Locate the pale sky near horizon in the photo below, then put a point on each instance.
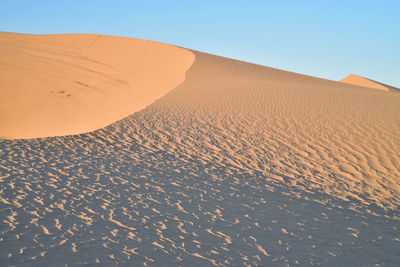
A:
(327, 39)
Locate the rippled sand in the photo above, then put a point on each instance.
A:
(238, 165)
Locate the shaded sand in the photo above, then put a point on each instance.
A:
(239, 165)
(361, 81)
(52, 85)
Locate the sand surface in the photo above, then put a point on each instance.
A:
(361, 81)
(238, 165)
(53, 85)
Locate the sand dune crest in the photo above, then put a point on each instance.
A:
(53, 85)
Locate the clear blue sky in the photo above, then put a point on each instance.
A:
(324, 38)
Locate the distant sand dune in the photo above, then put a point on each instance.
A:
(54, 85)
(361, 81)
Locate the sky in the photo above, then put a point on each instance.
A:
(325, 38)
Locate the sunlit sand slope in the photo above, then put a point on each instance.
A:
(361, 81)
(52, 85)
(238, 165)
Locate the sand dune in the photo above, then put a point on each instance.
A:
(54, 85)
(361, 81)
(239, 164)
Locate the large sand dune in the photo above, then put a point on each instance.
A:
(239, 164)
(54, 85)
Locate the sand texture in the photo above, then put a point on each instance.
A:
(54, 85)
(239, 164)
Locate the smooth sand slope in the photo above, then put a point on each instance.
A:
(361, 81)
(52, 85)
(238, 165)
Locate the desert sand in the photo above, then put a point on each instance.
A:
(365, 82)
(238, 164)
(54, 85)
